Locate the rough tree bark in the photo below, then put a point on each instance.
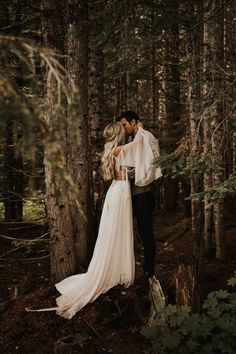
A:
(213, 125)
(188, 278)
(95, 112)
(118, 103)
(13, 154)
(217, 124)
(187, 287)
(171, 129)
(76, 50)
(16, 17)
(63, 258)
(154, 78)
(194, 57)
(9, 204)
(229, 84)
(19, 175)
(206, 89)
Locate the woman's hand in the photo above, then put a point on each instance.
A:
(140, 124)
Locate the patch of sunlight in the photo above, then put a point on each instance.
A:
(2, 209)
(33, 211)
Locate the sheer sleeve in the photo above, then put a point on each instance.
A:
(141, 154)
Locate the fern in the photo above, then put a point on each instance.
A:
(178, 330)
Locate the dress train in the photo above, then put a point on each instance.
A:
(112, 262)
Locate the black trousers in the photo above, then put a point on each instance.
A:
(143, 207)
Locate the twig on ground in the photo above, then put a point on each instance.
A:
(25, 240)
(25, 259)
(21, 246)
(92, 328)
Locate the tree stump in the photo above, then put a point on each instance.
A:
(188, 291)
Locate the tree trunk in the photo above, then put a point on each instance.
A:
(187, 287)
(154, 78)
(125, 91)
(13, 158)
(125, 76)
(9, 203)
(213, 44)
(118, 104)
(63, 258)
(171, 131)
(218, 139)
(95, 114)
(207, 84)
(19, 176)
(229, 87)
(194, 96)
(76, 50)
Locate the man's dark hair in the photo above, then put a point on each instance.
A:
(129, 115)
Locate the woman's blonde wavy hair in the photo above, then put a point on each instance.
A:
(114, 134)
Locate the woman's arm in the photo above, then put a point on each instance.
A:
(117, 151)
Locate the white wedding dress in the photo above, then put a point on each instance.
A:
(113, 260)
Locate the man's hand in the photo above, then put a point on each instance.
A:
(121, 175)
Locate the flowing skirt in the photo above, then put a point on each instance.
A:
(112, 262)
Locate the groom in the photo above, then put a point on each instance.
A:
(143, 198)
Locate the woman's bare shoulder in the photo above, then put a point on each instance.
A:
(117, 150)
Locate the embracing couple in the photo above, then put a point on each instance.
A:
(130, 168)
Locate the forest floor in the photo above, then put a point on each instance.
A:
(113, 322)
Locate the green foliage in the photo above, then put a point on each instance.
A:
(232, 281)
(1, 211)
(171, 165)
(24, 104)
(32, 211)
(180, 164)
(30, 113)
(227, 187)
(178, 330)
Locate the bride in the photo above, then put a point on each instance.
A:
(112, 262)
